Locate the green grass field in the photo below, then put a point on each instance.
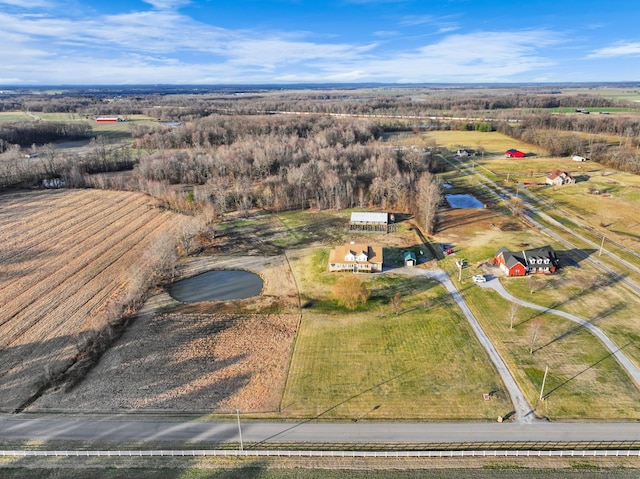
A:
(260, 469)
(11, 116)
(493, 143)
(583, 376)
(423, 363)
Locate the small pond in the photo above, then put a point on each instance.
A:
(217, 286)
(464, 201)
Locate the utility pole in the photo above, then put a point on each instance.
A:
(239, 429)
(544, 379)
(601, 245)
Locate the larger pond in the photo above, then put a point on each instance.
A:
(217, 286)
(463, 201)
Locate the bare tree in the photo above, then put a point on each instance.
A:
(534, 330)
(513, 313)
(396, 302)
(428, 196)
(533, 284)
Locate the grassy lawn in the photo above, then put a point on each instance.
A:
(493, 143)
(10, 116)
(371, 363)
(583, 377)
(270, 469)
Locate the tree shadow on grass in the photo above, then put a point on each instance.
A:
(552, 391)
(317, 416)
(615, 308)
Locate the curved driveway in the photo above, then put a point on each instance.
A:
(616, 351)
(523, 411)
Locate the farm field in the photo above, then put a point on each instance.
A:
(493, 143)
(210, 357)
(9, 116)
(65, 255)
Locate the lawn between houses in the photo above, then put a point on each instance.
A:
(422, 363)
(583, 378)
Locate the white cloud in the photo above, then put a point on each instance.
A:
(162, 45)
(619, 49)
(167, 4)
(482, 56)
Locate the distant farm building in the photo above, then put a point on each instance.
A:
(513, 153)
(534, 261)
(464, 153)
(558, 177)
(358, 258)
(109, 119)
(365, 222)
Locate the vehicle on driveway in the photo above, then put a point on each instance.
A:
(479, 278)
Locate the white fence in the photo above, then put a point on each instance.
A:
(390, 454)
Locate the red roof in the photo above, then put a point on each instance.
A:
(513, 153)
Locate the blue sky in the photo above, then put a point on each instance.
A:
(50, 42)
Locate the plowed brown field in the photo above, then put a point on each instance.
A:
(63, 256)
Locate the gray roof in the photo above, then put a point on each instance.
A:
(366, 217)
(512, 258)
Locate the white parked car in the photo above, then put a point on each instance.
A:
(479, 278)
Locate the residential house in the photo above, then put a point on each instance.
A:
(359, 258)
(558, 177)
(533, 261)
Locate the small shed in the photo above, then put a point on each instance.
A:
(410, 258)
(368, 222)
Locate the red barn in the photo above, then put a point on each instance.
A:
(513, 153)
(109, 119)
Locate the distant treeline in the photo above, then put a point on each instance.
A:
(26, 133)
(282, 163)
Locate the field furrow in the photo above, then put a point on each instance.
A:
(76, 308)
(34, 272)
(70, 235)
(19, 313)
(68, 255)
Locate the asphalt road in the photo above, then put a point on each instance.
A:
(12, 427)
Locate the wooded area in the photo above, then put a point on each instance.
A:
(233, 149)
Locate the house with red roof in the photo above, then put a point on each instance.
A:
(533, 261)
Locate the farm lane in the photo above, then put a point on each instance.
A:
(523, 411)
(615, 350)
(115, 428)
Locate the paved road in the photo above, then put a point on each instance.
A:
(523, 411)
(125, 429)
(615, 350)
